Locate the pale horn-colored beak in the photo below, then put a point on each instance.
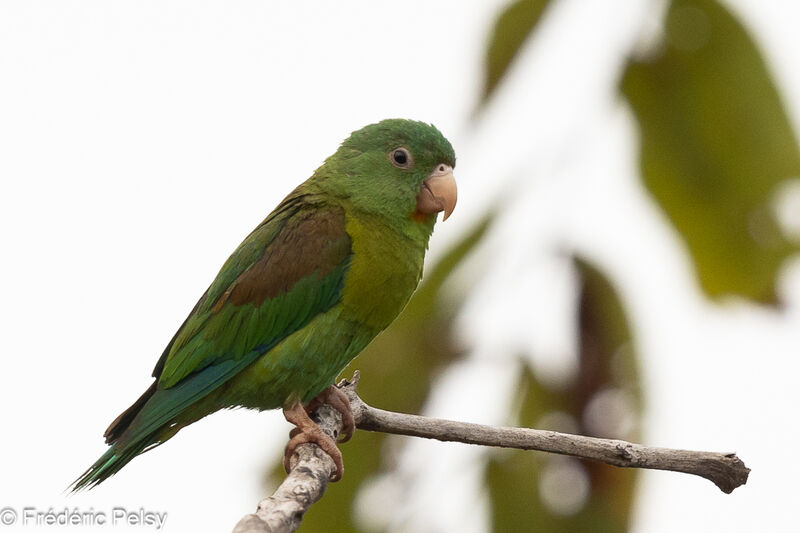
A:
(438, 192)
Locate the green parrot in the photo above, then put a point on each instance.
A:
(301, 296)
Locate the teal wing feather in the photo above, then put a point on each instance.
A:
(288, 270)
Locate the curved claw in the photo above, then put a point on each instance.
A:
(308, 432)
(336, 399)
(320, 439)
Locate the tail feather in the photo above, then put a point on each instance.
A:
(121, 423)
(153, 419)
(107, 465)
(119, 454)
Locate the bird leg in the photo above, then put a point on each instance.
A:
(309, 432)
(338, 400)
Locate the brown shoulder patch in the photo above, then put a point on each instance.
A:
(309, 243)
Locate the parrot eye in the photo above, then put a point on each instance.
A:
(401, 158)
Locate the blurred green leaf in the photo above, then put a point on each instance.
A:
(604, 400)
(715, 142)
(397, 369)
(509, 32)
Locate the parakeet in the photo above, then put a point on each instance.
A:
(302, 295)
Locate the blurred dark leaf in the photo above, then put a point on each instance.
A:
(715, 142)
(608, 394)
(397, 369)
(509, 32)
(604, 400)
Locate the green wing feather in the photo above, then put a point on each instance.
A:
(288, 270)
(245, 257)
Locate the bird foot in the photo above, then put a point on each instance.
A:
(308, 432)
(334, 397)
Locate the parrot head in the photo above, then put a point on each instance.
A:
(399, 169)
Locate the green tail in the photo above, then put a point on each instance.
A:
(155, 417)
(109, 464)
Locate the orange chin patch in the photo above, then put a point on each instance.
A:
(419, 216)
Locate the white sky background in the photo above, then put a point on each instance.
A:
(141, 141)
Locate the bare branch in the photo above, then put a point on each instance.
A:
(291, 500)
(725, 470)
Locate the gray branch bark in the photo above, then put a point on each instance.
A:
(310, 470)
(283, 511)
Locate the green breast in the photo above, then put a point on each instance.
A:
(385, 268)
